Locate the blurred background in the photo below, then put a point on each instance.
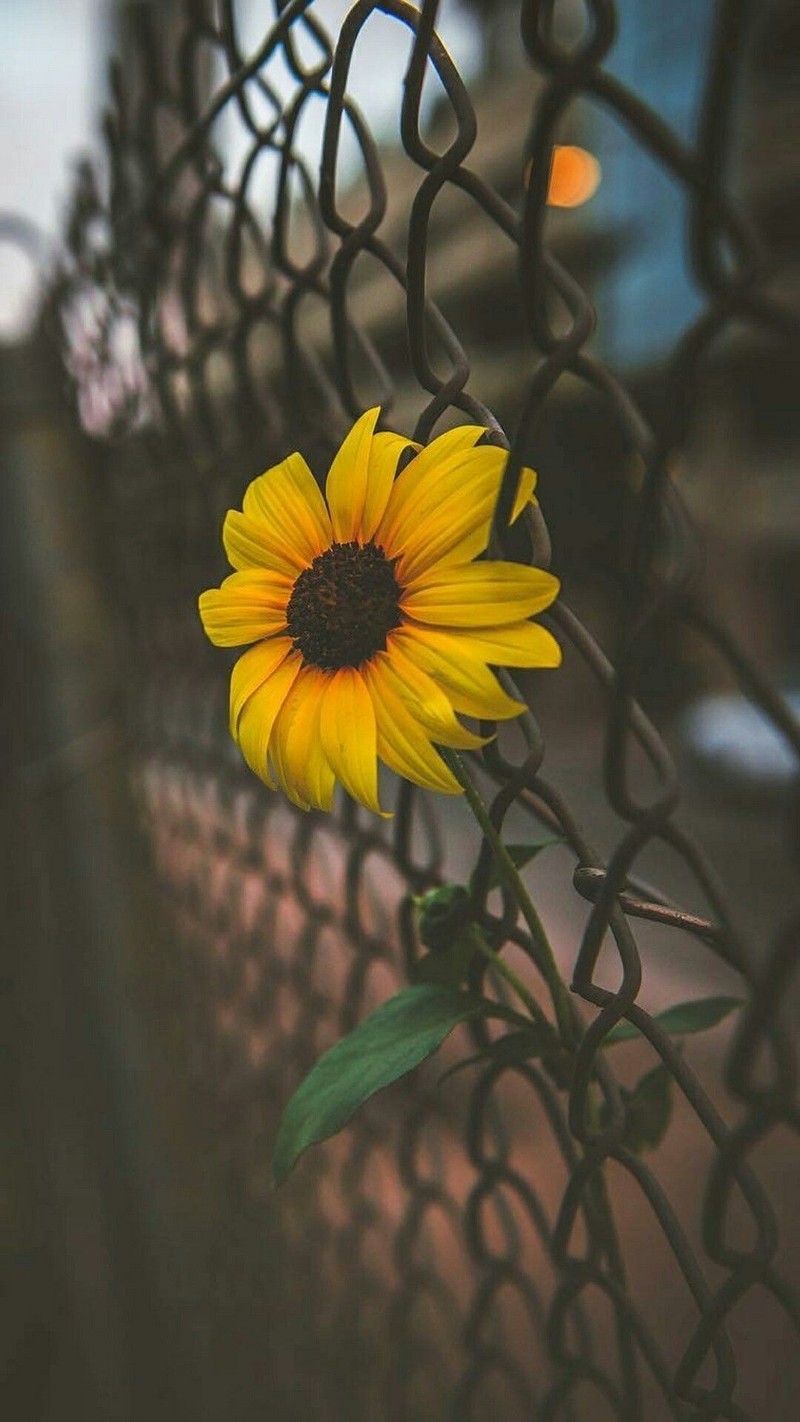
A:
(180, 950)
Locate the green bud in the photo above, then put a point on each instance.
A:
(444, 914)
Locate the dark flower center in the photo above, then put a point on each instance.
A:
(343, 606)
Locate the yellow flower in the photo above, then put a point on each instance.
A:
(372, 623)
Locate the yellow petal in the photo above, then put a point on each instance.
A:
(254, 543)
(453, 524)
(348, 734)
(518, 644)
(383, 460)
(423, 698)
(295, 748)
(451, 518)
(402, 742)
(471, 688)
(260, 711)
(248, 606)
(452, 442)
(417, 492)
(361, 477)
(479, 594)
(288, 500)
(525, 494)
(348, 478)
(251, 670)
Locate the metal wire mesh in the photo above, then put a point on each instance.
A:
(439, 1259)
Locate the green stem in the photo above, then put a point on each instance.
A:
(502, 968)
(566, 1016)
(569, 1025)
(507, 1014)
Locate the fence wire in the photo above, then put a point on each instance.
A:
(439, 1259)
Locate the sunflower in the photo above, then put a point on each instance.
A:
(371, 622)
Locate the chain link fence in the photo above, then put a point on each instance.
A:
(215, 309)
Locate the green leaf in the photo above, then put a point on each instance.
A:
(521, 854)
(392, 1041)
(648, 1110)
(681, 1020)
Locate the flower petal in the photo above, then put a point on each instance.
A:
(361, 477)
(518, 644)
(402, 743)
(251, 671)
(348, 479)
(458, 528)
(423, 698)
(348, 734)
(417, 491)
(383, 460)
(446, 655)
(288, 500)
(479, 594)
(452, 517)
(253, 543)
(295, 749)
(248, 606)
(525, 491)
(260, 711)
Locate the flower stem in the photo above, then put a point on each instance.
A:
(569, 1026)
(514, 981)
(566, 1016)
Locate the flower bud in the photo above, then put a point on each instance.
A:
(444, 914)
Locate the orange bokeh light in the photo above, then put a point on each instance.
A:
(574, 176)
